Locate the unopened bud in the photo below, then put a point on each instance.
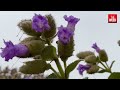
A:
(93, 69)
(26, 26)
(35, 47)
(91, 59)
(103, 55)
(84, 54)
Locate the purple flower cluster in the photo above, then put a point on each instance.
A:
(40, 23)
(96, 47)
(65, 33)
(72, 21)
(12, 50)
(81, 68)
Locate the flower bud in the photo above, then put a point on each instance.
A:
(93, 69)
(35, 46)
(103, 55)
(26, 27)
(84, 54)
(91, 59)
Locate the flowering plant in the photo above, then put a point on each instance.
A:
(41, 31)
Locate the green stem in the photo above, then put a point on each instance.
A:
(60, 68)
(48, 41)
(103, 65)
(42, 40)
(107, 64)
(65, 66)
(53, 36)
(101, 68)
(55, 72)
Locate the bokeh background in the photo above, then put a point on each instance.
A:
(93, 27)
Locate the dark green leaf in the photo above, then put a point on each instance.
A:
(114, 75)
(49, 53)
(51, 76)
(71, 67)
(34, 67)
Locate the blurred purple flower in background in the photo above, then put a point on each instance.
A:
(96, 47)
(12, 50)
(72, 21)
(65, 34)
(40, 23)
(81, 68)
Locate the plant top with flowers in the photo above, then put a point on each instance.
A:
(41, 31)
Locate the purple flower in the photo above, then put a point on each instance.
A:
(40, 23)
(72, 21)
(12, 50)
(21, 50)
(96, 47)
(81, 68)
(65, 34)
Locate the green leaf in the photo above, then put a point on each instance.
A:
(26, 27)
(49, 53)
(65, 51)
(51, 76)
(114, 75)
(101, 71)
(52, 31)
(71, 67)
(34, 67)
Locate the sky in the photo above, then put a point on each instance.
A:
(92, 27)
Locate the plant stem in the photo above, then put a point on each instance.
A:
(42, 40)
(101, 68)
(107, 64)
(55, 72)
(103, 65)
(65, 66)
(60, 68)
(48, 41)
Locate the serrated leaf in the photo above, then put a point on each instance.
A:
(71, 67)
(52, 31)
(101, 71)
(114, 75)
(26, 27)
(51, 76)
(34, 67)
(49, 53)
(65, 51)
